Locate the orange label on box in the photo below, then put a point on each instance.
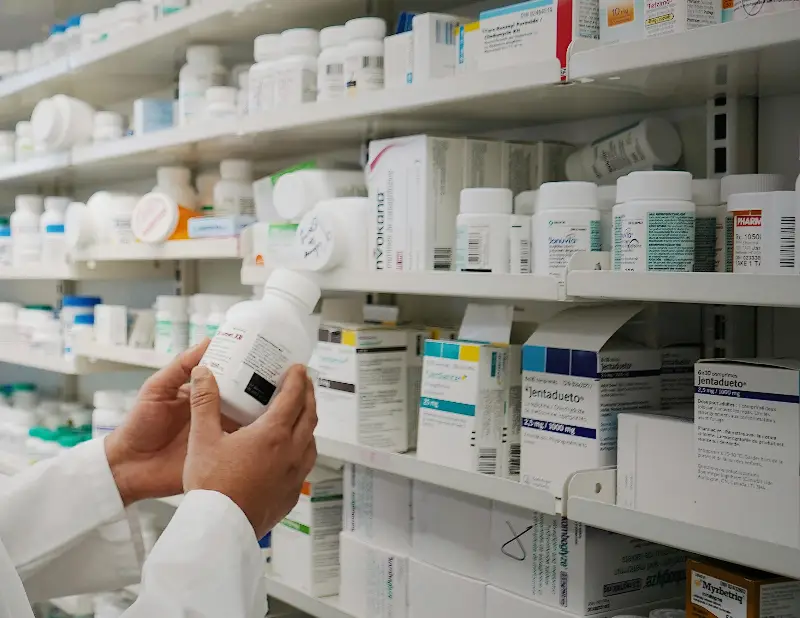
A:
(620, 13)
(727, 4)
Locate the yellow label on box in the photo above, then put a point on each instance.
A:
(620, 13)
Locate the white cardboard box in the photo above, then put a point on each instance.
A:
(435, 54)
(582, 570)
(462, 405)
(362, 385)
(512, 426)
(677, 375)
(451, 530)
(374, 580)
(377, 507)
(436, 593)
(655, 465)
(575, 381)
(747, 448)
(305, 545)
(415, 186)
(526, 166)
(398, 60)
(469, 44)
(483, 163)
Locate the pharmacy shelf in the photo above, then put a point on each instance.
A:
(173, 501)
(198, 249)
(11, 464)
(81, 605)
(84, 272)
(92, 352)
(467, 285)
(323, 607)
(709, 288)
(23, 355)
(698, 539)
(38, 169)
(408, 466)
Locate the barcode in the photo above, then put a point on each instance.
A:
(475, 249)
(487, 461)
(445, 33)
(513, 460)
(442, 258)
(524, 257)
(334, 69)
(372, 62)
(787, 242)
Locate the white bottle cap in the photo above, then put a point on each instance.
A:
(366, 28)
(173, 304)
(129, 10)
(525, 202)
(750, 183)
(766, 200)
(108, 119)
(169, 176)
(656, 186)
(203, 54)
(24, 129)
(48, 123)
(574, 194)
(294, 194)
(706, 192)
(606, 197)
(29, 203)
(267, 47)
(295, 284)
(236, 169)
(300, 42)
(108, 400)
(664, 140)
(154, 218)
(79, 229)
(486, 201)
(225, 95)
(56, 203)
(332, 36)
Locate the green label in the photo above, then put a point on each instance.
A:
(327, 498)
(705, 242)
(294, 525)
(594, 236)
(670, 241)
(305, 165)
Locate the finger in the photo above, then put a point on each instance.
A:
(206, 426)
(304, 428)
(309, 458)
(288, 404)
(177, 373)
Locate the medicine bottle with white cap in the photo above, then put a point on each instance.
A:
(364, 56)
(482, 230)
(259, 341)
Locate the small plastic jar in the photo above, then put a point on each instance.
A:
(52, 227)
(8, 321)
(8, 140)
(297, 69)
(764, 232)
(606, 200)
(482, 230)
(109, 412)
(24, 396)
(200, 308)
(25, 236)
(81, 330)
(264, 73)
(233, 194)
(654, 222)
(176, 182)
(111, 324)
(206, 181)
(72, 307)
(24, 146)
(334, 235)
(61, 122)
(708, 208)
(119, 215)
(330, 64)
(221, 102)
(90, 29)
(364, 56)
(108, 126)
(243, 93)
(172, 324)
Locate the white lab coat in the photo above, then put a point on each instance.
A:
(64, 531)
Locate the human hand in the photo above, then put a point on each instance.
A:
(262, 466)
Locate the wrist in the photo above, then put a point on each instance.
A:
(121, 469)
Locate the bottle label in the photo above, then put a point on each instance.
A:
(705, 232)
(473, 248)
(364, 73)
(655, 241)
(171, 337)
(330, 82)
(565, 239)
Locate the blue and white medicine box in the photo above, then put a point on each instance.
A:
(462, 405)
(575, 380)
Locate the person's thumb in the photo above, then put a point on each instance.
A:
(206, 427)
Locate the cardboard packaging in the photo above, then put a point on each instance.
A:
(747, 448)
(435, 593)
(374, 580)
(634, 21)
(305, 544)
(526, 166)
(575, 380)
(677, 375)
(483, 163)
(719, 589)
(377, 507)
(435, 45)
(655, 465)
(361, 388)
(510, 450)
(470, 47)
(450, 529)
(462, 405)
(582, 570)
(415, 186)
(398, 60)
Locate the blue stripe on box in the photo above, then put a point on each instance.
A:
(442, 405)
(433, 348)
(450, 350)
(515, 8)
(553, 427)
(558, 361)
(533, 358)
(727, 392)
(584, 364)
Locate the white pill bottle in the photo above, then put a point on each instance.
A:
(764, 232)
(364, 56)
(259, 341)
(483, 230)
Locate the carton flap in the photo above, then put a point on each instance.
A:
(487, 323)
(583, 328)
(777, 363)
(349, 310)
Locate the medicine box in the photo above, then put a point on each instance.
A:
(582, 570)
(483, 163)
(526, 166)
(151, 115)
(435, 45)
(575, 380)
(716, 588)
(512, 425)
(219, 227)
(305, 544)
(655, 465)
(536, 30)
(450, 529)
(377, 507)
(374, 580)
(436, 593)
(469, 45)
(677, 375)
(747, 448)
(462, 405)
(415, 186)
(362, 386)
(398, 60)
(633, 20)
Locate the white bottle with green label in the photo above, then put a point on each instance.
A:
(706, 198)
(654, 222)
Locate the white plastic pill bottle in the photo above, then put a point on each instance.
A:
(732, 184)
(297, 68)
(8, 141)
(25, 235)
(334, 235)
(653, 141)
(483, 227)
(219, 305)
(221, 102)
(61, 122)
(654, 222)
(264, 73)
(764, 232)
(364, 56)
(109, 412)
(707, 201)
(203, 69)
(108, 126)
(520, 245)
(233, 194)
(24, 147)
(200, 308)
(205, 182)
(172, 324)
(330, 65)
(51, 228)
(298, 192)
(606, 200)
(119, 214)
(567, 220)
(259, 342)
(176, 182)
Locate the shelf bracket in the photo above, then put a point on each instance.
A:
(599, 485)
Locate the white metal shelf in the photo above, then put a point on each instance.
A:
(322, 607)
(706, 541)
(24, 356)
(80, 605)
(91, 353)
(82, 272)
(194, 249)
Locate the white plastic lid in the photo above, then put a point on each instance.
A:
(574, 194)
(124, 202)
(706, 191)
(154, 218)
(108, 400)
(48, 122)
(224, 95)
(606, 197)
(294, 284)
(366, 28)
(108, 119)
(750, 183)
(321, 247)
(332, 36)
(525, 202)
(486, 201)
(173, 304)
(29, 203)
(168, 176)
(300, 42)
(79, 228)
(56, 203)
(236, 169)
(203, 54)
(24, 129)
(294, 194)
(267, 47)
(665, 185)
(129, 9)
(766, 200)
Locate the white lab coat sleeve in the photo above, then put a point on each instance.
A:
(65, 529)
(207, 564)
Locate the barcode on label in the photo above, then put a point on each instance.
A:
(372, 62)
(487, 461)
(475, 249)
(525, 257)
(513, 459)
(787, 243)
(442, 258)
(445, 33)
(334, 69)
